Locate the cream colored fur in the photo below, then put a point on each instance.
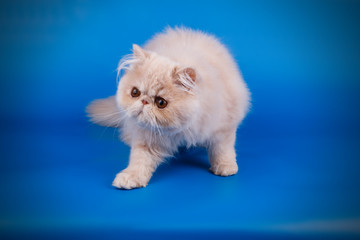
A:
(207, 99)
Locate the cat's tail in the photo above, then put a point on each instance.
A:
(105, 112)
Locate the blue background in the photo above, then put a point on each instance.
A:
(298, 149)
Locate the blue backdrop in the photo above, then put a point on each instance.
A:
(298, 149)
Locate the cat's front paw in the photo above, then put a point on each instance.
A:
(129, 180)
(224, 169)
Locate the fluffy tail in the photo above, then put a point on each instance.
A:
(105, 112)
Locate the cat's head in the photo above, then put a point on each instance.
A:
(156, 91)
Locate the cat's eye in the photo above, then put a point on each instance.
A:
(160, 102)
(135, 92)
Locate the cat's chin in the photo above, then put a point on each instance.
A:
(158, 129)
(142, 123)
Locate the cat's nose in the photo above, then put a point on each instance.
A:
(144, 102)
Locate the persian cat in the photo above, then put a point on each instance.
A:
(183, 88)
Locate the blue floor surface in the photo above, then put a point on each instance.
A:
(58, 184)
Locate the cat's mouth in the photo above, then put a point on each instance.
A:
(145, 120)
(141, 118)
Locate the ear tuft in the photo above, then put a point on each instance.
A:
(191, 73)
(186, 77)
(139, 52)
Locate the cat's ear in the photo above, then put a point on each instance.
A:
(129, 60)
(185, 77)
(139, 52)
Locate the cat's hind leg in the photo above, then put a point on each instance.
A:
(222, 154)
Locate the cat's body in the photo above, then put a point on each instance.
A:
(193, 75)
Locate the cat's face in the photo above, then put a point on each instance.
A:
(157, 93)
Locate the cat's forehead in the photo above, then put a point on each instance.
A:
(153, 76)
(154, 85)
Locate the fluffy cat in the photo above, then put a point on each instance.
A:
(182, 88)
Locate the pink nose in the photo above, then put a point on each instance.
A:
(144, 102)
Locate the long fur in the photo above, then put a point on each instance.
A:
(125, 63)
(206, 97)
(105, 112)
